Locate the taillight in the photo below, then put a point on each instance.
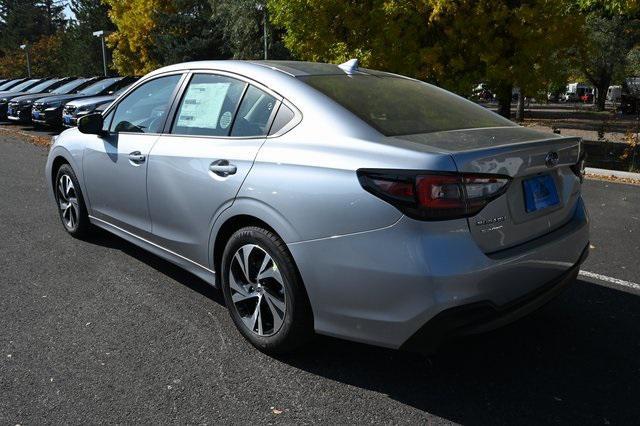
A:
(579, 168)
(432, 195)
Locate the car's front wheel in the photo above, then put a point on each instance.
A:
(71, 206)
(263, 291)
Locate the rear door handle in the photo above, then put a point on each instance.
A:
(223, 168)
(137, 157)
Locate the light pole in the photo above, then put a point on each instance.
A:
(25, 47)
(263, 8)
(102, 34)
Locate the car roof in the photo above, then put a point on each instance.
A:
(282, 78)
(291, 68)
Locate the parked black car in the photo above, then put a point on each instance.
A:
(74, 110)
(48, 111)
(20, 89)
(20, 106)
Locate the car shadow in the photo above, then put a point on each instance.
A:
(576, 360)
(108, 240)
(41, 130)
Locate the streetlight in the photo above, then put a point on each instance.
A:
(25, 47)
(102, 34)
(263, 8)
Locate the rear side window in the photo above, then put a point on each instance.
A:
(145, 108)
(398, 106)
(208, 106)
(254, 114)
(283, 117)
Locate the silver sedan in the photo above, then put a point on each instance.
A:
(331, 199)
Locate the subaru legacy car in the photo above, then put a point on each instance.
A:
(22, 106)
(73, 110)
(19, 107)
(20, 89)
(331, 199)
(48, 111)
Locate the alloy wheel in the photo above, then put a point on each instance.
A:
(257, 290)
(68, 202)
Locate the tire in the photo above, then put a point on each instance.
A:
(70, 202)
(270, 308)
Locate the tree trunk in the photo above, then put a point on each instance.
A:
(504, 100)
(520, 110)
(602, 96)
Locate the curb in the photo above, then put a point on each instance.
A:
(612, 173)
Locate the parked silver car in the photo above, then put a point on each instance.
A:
(345, 201)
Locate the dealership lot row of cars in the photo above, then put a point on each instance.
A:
(57, 102)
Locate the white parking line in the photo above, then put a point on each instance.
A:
(611, 280)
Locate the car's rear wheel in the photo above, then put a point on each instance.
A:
(263, 291)
(71, 206)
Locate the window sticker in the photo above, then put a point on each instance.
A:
(225, 120)
(202, 105)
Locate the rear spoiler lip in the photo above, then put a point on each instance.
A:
(519, 159)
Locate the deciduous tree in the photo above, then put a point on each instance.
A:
(611, 31)
(507, 43)
(134, 37)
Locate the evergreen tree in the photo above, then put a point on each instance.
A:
(80, 43)
(242, 25)
(188, 32)
(52, 12)
(26, 21)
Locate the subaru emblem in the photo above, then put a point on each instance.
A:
(552, 159)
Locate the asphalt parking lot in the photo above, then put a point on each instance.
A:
(101, 332)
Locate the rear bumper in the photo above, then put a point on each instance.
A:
(381, 287)
(485, 316)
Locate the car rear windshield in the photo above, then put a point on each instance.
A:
(399, 106)
(99, 87)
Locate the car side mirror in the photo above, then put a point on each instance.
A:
(91, 124)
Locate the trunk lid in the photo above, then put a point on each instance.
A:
(521, 154)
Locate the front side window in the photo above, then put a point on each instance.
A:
(254, 114)
(208, 106)
(144, 109)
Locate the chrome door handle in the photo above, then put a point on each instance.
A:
(223, 168)
(137, 157)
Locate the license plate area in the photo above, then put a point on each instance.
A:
(540, 192)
